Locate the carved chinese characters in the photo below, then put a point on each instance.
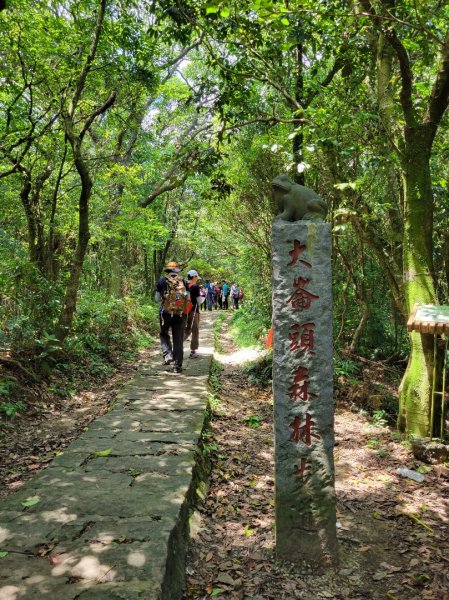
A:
(301, 301)
(303, 395)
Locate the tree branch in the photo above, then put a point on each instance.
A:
(337, 66)
(406, 75)
(89, 60)
(100, 110)
(439, 96)
(183, 53)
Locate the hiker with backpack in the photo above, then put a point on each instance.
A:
(171, 292)
(225, 295)
(193, 314)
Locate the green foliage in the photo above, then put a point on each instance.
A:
(260, 371)
(218, 324)
(345, 367)
(249, 325)
(107, 328)
(10, 409)
(380, 418)
(29, 303)
(253, 421)
(214, 376)
(373, 444)
(215, 405)
(5, 386)
(29, 502)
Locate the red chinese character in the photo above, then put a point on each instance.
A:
(302, 469)
(301, 298)
(304, 339)
(303, 433)
(299, 390)
(297, 250)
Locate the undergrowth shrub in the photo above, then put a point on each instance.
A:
(29, 303)
(249, 325)
(259, 372)
(106, 328)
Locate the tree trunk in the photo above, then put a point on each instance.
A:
(115, 269)
(25, 193)
(298, 139)
(359, 329)
(69, 305)
(416, 385)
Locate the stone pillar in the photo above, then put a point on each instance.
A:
(303, 393)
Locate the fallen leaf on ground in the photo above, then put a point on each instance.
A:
(225, 578)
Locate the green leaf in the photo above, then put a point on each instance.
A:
(225, 12)
(253, 421)
(423, 469)
(103, 452)
(3, 554)
(31, 502)
(216, 592)
(212, 9)
(344, 186)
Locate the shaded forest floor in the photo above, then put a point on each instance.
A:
(30, 440)
(392, 532)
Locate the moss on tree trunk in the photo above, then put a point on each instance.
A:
(415, 389)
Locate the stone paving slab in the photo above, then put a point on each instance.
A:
(112, 513)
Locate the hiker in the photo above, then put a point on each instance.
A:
(203, 294)
(232, 294)
(193, 315)
(217, 291)
(209, 294)
(172, 294)
(225, 295)
(236, 296)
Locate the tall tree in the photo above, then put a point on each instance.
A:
(409, 30)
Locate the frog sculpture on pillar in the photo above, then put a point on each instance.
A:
(296, 202)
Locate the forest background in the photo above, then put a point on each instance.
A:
(132, 133)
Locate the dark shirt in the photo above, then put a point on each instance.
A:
(194, 293)
(161, 285)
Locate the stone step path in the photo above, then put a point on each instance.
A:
(111, 516)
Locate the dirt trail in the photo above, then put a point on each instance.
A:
(393, 532)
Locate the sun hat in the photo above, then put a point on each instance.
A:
(172, 267)
(192, 273)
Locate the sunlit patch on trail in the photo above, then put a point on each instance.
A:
(206, 350)
(240, 356)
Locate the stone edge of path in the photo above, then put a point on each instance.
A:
(169, 584)
(173, 584)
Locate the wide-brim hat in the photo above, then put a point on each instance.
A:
(192, 273)
(172, 267)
